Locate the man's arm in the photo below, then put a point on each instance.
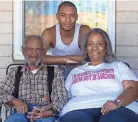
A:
(59, 94)
(20, 106)
(7, 87)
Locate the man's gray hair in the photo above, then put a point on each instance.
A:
(109, 57)
(33, 37)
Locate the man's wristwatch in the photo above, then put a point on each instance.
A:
(119, 103)
(55, 113)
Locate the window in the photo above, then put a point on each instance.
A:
(32, 17)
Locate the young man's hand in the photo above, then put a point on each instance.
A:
(69, 61)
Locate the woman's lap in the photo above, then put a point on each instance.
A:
(120, 115)
(93, 115)
(83, 115)
(77, 116)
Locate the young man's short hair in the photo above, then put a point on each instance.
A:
(67, 3)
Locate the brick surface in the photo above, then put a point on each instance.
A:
(127, 5)
(6, 50)
(6, 5)
(127, 51)
(5, 61)
(6, 28)
(5, 39)
(127, 39)
(127, 32)
(6, 17)
(127, 17)
(127, 28)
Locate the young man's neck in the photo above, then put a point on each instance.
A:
(65, 33)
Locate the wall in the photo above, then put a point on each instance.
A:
(5, 35)
(126, 33)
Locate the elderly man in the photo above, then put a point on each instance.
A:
(34, 101)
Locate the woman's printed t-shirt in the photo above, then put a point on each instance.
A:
(92, 86)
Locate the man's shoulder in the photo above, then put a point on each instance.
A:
(48, 34)
(84, 29)
(12, 71)
(55, 69)
(49, 30)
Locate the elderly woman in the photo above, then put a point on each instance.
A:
(102, 90)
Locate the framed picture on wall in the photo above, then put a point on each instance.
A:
(32, 17)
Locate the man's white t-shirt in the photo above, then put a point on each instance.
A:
(92, 86)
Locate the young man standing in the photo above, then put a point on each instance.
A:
(65, 38)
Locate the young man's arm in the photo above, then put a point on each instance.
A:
(49, 59)
(84, 30)
(48, 40)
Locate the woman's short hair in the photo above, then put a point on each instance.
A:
(109, 57)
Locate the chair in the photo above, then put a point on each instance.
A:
(5, 109)
(127, 64)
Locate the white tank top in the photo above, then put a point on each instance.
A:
(62, 49)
